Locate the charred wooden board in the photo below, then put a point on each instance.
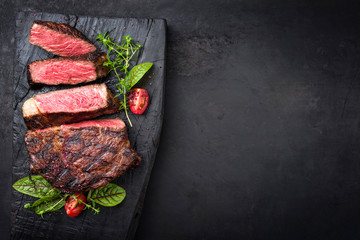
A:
(118, 222)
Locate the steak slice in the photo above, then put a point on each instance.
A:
(59, 39)
(82, 156)
(68, 105)
(74, 70)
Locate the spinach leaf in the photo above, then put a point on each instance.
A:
(35, 186)
(135, 74)
(108, 196)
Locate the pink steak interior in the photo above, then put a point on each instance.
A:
(118, 123)
(98, 123)
(59, 43)
(87, 98)
(62, 71)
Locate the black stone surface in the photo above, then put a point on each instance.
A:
(261, 127)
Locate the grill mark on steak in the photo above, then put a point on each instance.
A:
(74, 139)
(113, 134)
(62, 178)
(75, 159)
(96, 179)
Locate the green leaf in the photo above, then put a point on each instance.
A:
(108, 196)
(136, 73)
(47, 204)
(35, 186)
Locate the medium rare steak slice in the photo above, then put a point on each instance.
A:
(69, 105)
(60, 39)
(74, 70)
(82, 156)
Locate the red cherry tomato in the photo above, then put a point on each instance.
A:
(73, 206)
(138, 100)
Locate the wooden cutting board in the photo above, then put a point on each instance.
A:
(118, 222)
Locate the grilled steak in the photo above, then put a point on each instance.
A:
(82, 156)
(60, 39)
(68, 105)
(74, 70)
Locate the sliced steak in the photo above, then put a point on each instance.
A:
(74, 70)
(60, 39)
(68, 105)
(82, 156)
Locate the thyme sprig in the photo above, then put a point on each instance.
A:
(119, 56)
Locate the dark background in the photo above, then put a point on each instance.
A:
(261, 131)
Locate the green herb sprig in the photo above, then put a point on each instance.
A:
(119, 56)
(124, 52)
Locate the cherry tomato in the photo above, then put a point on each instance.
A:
(138, 100)
(73, 206)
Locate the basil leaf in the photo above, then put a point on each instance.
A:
(108, 196)
(35, 186)
(47, 204)
(136, 73)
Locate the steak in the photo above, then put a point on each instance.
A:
(82, 156)
(69, 105)
(59, 39)
(74, 70)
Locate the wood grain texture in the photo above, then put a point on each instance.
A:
(119, 222)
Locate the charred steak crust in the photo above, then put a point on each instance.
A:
(81, 158)
(45, 120)
(101, 70)
(96, 58)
